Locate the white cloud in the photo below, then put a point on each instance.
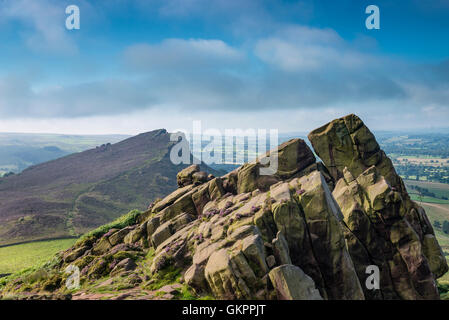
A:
(180, 54)
(45, 20)
(18, 98)
(302, 48)
(209, 75)
(378, 116)
(294, 78)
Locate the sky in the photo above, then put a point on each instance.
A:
(139, 65)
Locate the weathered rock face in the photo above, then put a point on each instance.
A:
(308, 231)
(380, 235)
(375, 202)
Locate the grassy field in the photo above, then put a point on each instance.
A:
(439, 212)
(432, 162)
(17, 257)
(417, 157)
(440, 189)
(426, 199)
(436, 209)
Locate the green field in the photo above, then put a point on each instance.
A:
(439, 212)
(440, 189)
(418, 156)
(426, 199)
(17, 257)
(436, 209)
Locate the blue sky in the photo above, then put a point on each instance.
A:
(139, 65)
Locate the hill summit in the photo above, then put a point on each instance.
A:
(310, 231)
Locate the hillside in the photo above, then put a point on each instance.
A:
(81, 191)
(309, 231)
(21, 150)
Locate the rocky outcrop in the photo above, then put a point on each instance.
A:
(310, 230)
(393, 230)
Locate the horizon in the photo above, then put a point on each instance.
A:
(440, 130)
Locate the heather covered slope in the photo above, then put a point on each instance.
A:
(309, 231)
(81, 191)
(18, 151)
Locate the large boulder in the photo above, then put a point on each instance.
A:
(226, 275)
(347, 142)
(118, 236)
(194, 277)
(292, 157)
(167, 229)
(186, 177)
(250, 179)
(183, 204)
(291, 283)
(136, 234)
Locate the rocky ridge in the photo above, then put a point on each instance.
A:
(307, 232)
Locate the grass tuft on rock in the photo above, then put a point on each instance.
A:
(168, 275)
(124, 221)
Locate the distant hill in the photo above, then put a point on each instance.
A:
(21, 150)
(81, 191)
(17, 158)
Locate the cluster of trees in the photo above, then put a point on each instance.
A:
(444, 227)
(435, 145)
(440, 174)
(425, 192)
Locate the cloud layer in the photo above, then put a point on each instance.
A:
(303, 68)
(276, 67)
